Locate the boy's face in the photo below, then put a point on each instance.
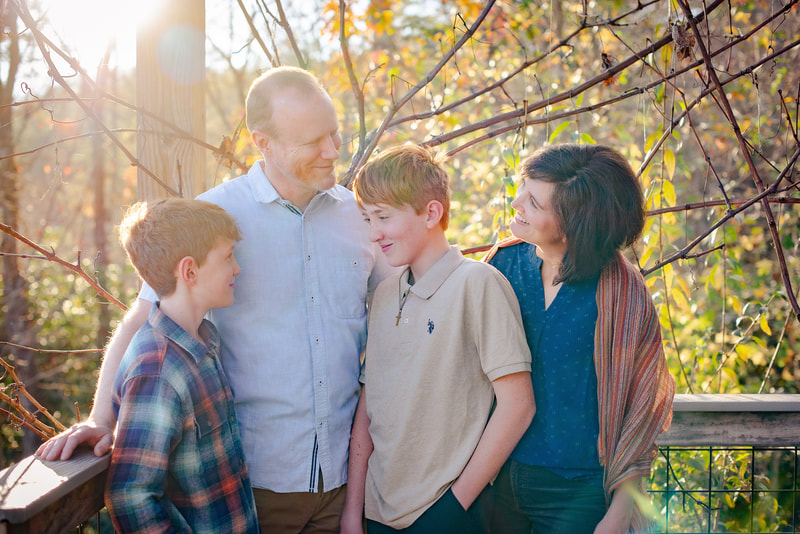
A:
(216, 275)
(400, 232)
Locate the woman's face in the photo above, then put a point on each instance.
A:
(535, 222)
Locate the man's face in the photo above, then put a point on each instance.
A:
(301, 154)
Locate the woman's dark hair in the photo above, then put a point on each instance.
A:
(598, 202)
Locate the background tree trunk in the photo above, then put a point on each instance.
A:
(101, 218)
(170, 76)
(16, 324)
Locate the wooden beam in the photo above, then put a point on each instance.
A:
(734, 420)
(41, 497)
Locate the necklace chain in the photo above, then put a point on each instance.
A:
(402, 296)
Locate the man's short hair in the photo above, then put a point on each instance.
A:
(157, 235)
(267, 86)
(405, 175)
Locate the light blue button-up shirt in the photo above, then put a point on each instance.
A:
(291, 341)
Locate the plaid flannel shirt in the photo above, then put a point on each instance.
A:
(177, 463)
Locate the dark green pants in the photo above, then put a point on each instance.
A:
(534, 500)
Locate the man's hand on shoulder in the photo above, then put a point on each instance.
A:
(88, 433)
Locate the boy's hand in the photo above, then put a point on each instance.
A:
(351, 524)
(89, 433)
(461, 500)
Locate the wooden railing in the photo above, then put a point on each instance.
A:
(734, 420)
(42, 497)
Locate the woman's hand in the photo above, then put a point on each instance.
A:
(611, 525)
(620, 512)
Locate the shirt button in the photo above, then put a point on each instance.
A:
(405, 321)
(316, 340)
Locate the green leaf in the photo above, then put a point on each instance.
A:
(557, 130)
(511, 157)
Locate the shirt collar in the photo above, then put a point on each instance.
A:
(426, 286)
(265, 193)
(170, 329)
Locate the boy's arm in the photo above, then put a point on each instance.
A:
(510, 419)
(98, 429)
(150, 423)
(360, 451)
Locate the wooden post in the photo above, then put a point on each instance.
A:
(170, 82)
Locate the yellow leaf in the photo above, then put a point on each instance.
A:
(663, 318)
(679, 298)
(669, 162)
(668, 193)
(736, 303)
(666, 57)
(646, 255)
(668, 275)
(651, 140)
(762, 322)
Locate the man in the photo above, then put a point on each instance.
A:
(291, 341)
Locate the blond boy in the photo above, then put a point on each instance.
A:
(445, 340)
(177, 463)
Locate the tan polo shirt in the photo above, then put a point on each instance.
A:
(428, 379)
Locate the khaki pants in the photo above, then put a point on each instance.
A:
(296, 513)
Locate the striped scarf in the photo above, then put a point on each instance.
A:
(635, 389)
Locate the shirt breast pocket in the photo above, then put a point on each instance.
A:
(348, 288)
(209, 417)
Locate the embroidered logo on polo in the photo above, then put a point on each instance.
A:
(431, 326)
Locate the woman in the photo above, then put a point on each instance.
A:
(603, 391)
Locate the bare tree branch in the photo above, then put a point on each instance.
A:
(723, 97)
(74, 267)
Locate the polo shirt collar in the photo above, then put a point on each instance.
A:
(170, 329)
(426, 286)
(264, 192)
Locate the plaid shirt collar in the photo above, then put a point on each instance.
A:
(170, 329)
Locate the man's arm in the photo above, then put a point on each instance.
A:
(514, 412)
(98, 429)
(360, 451)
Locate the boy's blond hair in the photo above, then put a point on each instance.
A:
(157, 235)
(405, 175)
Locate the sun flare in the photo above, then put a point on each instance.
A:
(87, 28)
